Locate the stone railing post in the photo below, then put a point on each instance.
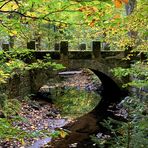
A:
(96, 49)
(57, 46)
(128, 50)
(11, 41)
(64, 49)
(31, 45)
(82, 46)
(5, 46)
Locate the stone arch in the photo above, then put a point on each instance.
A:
(111, 89)
(111, 92)
(111, 86)
(95, 65)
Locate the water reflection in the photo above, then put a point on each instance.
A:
(75, 102)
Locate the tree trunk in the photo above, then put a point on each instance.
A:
(130, 6)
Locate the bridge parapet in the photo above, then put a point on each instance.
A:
(61, 51)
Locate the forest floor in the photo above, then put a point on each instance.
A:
(40, 119)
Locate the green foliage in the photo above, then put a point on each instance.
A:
(45, 65)
(77, 21)
(130, 134)
(13, 62)
(7, 131)
(134, 132)
(11, 107)
(3, 76)
(138, 73)
(3, 97)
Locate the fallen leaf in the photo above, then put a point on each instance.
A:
(63, 134)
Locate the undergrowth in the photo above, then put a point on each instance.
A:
(133, 133)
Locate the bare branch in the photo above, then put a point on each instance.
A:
(39, 18)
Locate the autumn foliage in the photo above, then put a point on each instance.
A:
(118, 3)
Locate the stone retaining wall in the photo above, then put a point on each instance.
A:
(26, 83)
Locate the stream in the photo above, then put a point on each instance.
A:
(53, 124)
(76, 98)
(77, 105)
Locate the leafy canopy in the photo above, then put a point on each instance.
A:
(101, 19)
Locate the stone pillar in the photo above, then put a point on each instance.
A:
(142, 57)
(82, 46)
(31, 45)
(64, 49)
(5, 46)
(56, 46)
(11, 41)
(128, 50)
(96, 49)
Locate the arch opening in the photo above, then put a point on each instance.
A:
(110, 92)
(73, 91)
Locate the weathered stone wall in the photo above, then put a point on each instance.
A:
(19, 85)
(39, 77)
(26, 83)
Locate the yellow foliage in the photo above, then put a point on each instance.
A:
(31, 14)
(13, 33)
(22, 141)
(10, 6)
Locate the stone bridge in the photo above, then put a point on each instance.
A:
(101, 62)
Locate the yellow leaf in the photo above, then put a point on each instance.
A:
(63, 134)
(13, 33)
(9, 6)
(22, 141)
(14, 7)
(95, 9)
(5, 9)
(32, 14)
